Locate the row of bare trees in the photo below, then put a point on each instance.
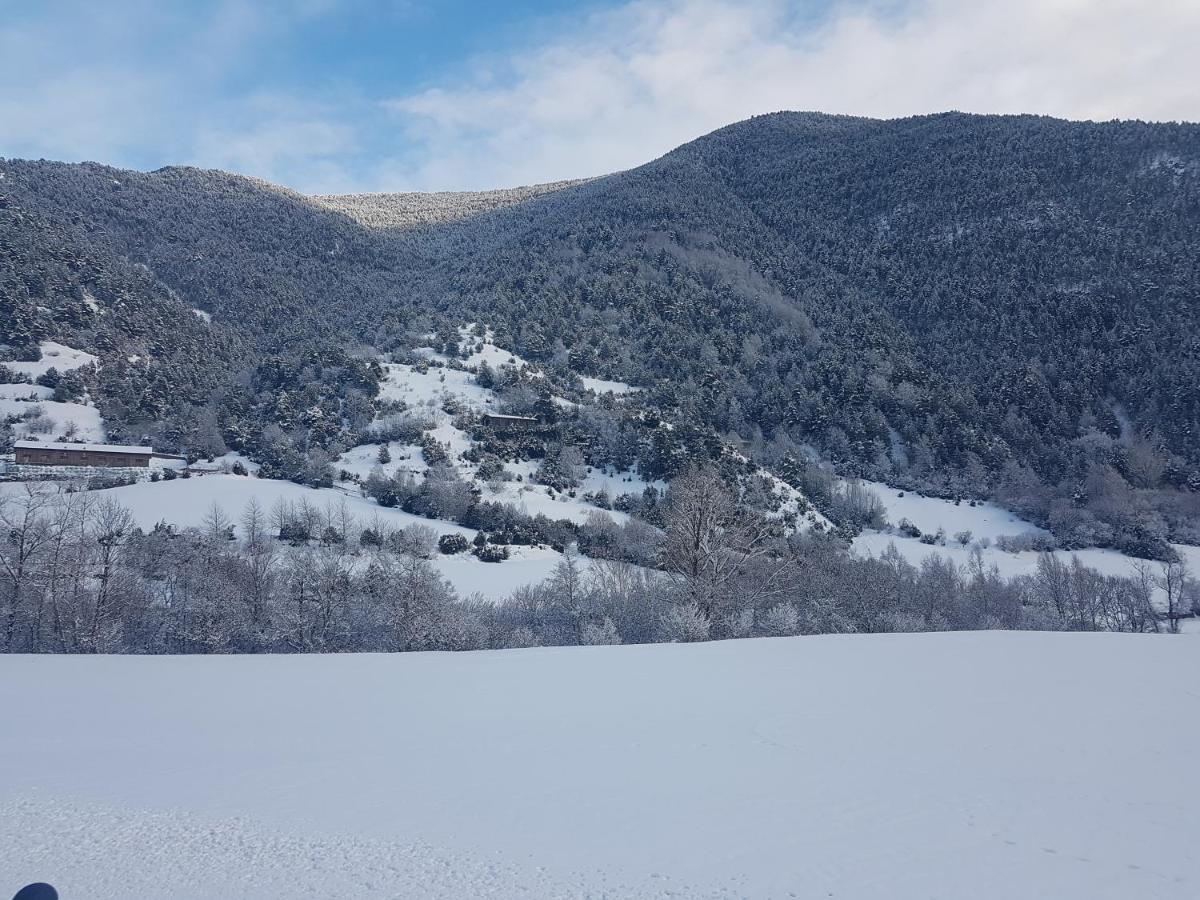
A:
(77, 576)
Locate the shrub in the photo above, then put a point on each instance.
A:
(453, 543)
(491, 553)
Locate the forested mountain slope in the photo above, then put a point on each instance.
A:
(1001, 306)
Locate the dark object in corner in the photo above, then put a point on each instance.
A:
(39, 891)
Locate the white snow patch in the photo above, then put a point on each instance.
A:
(988, 521)
(54, 356)
(1011, 565)
(186, 501)
(29, 393)
(202, 315)
(86, 419)
(496, 581)
(224, 463)
(604, 386)
(364, 459)
(984, 765)
(429, 389)
(931, 513)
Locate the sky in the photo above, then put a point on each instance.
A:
(335, 96)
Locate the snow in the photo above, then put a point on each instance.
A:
(25, 392)
(532, 498)
(1107, 562)
(202, 315)
(494, 356)
(604, 386)
(83, 447)
(186, 501)
(496, 581)
(425, 392)
(429, 388)
(982, 765)
(364, 459)
(618, 483)
(18, 399)
(930, 513)
(984, 520)
(54, 356)
(86, 418)
(224, 463)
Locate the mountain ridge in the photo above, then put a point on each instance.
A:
(959, 303)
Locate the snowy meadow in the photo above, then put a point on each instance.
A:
(988, 765)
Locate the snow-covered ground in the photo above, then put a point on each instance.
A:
(605, 386)
(426, 391)
(54, 356)
(185, 502)
(987, 521)
(25, 393)
(930, 513)
(532, 498)
(21, 399)
(85, 417)
(982, 765)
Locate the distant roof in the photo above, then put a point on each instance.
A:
(88, 448)
(510, 418)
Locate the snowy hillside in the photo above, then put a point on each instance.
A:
(983, 765)
(30, 407)
(966, 528)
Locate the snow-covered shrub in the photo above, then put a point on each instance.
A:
(36, 421)
(453, 543)
(780, 620)
(415, 540)
(685, 622)
(522, 637)
(598, 633)
(491, 553)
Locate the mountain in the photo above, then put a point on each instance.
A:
(972, 306)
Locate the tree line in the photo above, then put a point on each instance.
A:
(78, 576)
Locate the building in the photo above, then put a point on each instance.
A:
(38, 453)
(510, 423)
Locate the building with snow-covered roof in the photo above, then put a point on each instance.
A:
(61, 453)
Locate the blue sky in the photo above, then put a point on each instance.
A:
(345, 95)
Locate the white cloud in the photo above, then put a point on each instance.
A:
(633, 83)
(147, 83)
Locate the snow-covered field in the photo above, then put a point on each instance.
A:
(21, 399)
(606, 386)
(987, 521)
(185, 502)
(982, 765)
(54, 356)
(930, 513)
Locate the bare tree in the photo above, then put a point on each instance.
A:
(26, 533)
(260, 553)
(1174, 581)
(711, 543)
